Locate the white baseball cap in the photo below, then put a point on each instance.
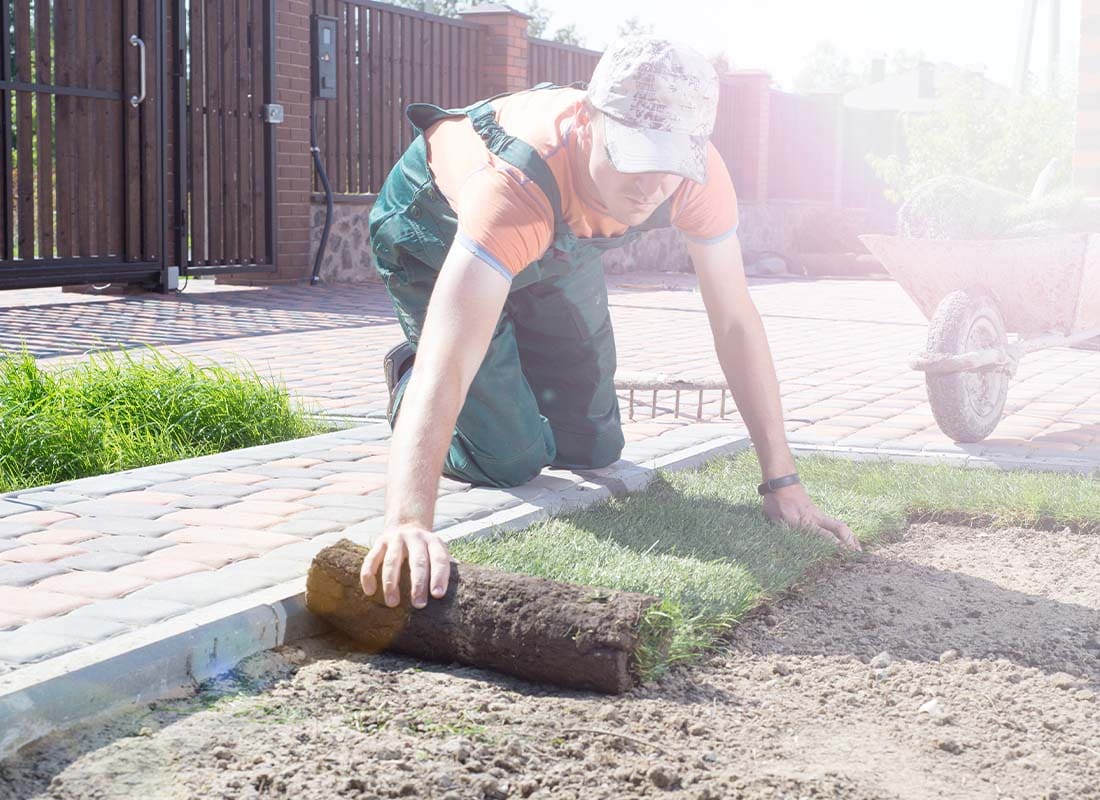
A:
(660, 100)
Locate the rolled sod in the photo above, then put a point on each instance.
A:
(536, 629)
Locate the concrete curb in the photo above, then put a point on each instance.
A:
(169, 658)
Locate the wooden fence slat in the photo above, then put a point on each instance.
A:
(231, 138)
(408, 69)
(377, 90)
(245, 191)
(44, 64)
(198, 187)
(131, 150)
(24, 134)
(115, 234)
(103, 209)
(340, 103)
(215, 133)
(150, 128)
(364, 101)
(259, 136)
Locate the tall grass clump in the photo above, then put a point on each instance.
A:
(119, 411)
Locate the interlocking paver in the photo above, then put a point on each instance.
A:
(57, 536)
(134, 545)
(9, 621)
(97, 585)
(113, 507)
(208, 553)
(34, 603)
(12, 530)
(222, 516)
(39, 553)
(122, 526)
(18, 648)
(132, 610)
(84, 629)
(26, 574)
(258, 540)
(278, 496)
(341, 514)
(102, 561)
(307, 528)
(39, 518)
(161, 569)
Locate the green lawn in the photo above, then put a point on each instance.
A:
(117, 411)
(698, 540)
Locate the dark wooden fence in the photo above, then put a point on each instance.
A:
(229, 174)
(388, 57)
(559, 63)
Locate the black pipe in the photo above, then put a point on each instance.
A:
(313, 148)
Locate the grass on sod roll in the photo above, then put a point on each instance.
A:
(699, 541)
(119, 411)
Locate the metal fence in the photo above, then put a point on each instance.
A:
(388, 57)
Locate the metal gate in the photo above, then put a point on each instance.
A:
(133, 139)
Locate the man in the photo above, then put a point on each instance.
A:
(488, 235)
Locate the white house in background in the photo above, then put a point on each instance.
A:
(917, 90)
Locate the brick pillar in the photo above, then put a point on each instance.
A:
(505, 60)
(293, 159)
(1086, 153)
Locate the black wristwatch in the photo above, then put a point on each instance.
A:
(767, 487)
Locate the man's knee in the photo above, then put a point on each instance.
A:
(498, 462)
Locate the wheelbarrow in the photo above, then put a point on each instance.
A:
(1041, 291)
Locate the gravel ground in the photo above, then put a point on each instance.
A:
(951, 662)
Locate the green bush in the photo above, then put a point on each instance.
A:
(1001, 141)
(116, 412)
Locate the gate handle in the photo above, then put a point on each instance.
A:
(135, 40)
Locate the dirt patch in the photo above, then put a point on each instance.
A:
(952, 663)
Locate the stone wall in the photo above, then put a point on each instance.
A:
(776, 227)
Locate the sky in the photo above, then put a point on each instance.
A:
(778, 35)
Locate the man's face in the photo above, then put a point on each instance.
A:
(630, 198)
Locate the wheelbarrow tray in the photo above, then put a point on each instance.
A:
(1041, 284)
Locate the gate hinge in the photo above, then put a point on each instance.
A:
(273, 113)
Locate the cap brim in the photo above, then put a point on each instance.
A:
(641, 150)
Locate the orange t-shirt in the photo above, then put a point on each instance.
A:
(507, 221)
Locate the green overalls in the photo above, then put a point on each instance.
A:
(545, 393)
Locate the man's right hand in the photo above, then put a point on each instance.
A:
(429, 564)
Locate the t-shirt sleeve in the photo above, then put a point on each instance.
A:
(706, 213)
(504, 219)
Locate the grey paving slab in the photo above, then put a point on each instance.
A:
(26, 574)
(368, 467)
(50, 498)
(306, 527)
(134, 545)
(316, 472)
(10, 530)
(9, 544)
(200, 589)
(101, 561)
(206, 501)
(19, 649)
(102, 485)
(121, 526)
(108, 507)
(301, 553)
(270, 570)
(290, 483)
(83, 629)
(9, 507)
(370, 502)
(132, 611)
(348, 516)
(201, 488)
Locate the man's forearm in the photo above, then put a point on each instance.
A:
(419, 445)
(746, 361)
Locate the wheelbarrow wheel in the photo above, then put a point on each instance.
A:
(967, 405)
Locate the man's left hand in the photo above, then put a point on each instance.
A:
(792, 506)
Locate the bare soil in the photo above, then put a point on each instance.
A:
(953, 662)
